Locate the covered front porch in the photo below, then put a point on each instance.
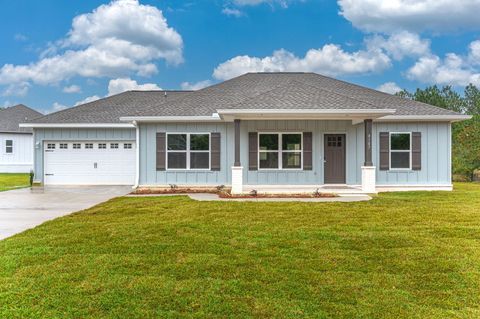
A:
(350, 172)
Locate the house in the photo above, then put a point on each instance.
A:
(255, 130)
(16, 143)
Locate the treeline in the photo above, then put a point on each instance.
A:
(466, 134)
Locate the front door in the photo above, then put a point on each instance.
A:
(334, 159)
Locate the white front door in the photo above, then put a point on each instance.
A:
(89, 163)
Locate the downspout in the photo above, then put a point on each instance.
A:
(137, 155)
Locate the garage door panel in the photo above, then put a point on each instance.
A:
(89, 166)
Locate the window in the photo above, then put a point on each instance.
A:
(89, 145)
(102, 146)
(77, 146)
(127, 145)
(400, 151)
(188, 151)
(51, 146)
(9, 146)
(63, 146)
(113, 145)
(280, 150)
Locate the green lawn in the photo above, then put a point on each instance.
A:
(401, 255)
(10, 181)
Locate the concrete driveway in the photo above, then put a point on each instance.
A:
(22, 209)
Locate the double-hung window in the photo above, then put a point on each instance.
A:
(188, 151)
(9, 146)
(400, 151)
(280, 150)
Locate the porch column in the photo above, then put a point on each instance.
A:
(237, 169)
(368, 170)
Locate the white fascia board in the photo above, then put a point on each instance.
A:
(424, 118)
(77, 125)
(144, 119)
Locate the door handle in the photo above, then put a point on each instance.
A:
(94, 165)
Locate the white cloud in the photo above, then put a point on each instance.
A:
(328, 60)
(116, 39)
(20, 37)
(400, 44)
(232, 12)
(414, 15)
(17, 89)
(389, 87)
(453, 69)
(282, 3)
(55, 108)
(72, 89)
(126, 84)
(195, 86)
(88, 99)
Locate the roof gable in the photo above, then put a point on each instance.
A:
(12, 116)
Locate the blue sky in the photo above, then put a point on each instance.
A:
(56, 54)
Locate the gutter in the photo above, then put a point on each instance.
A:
(77, 125)
(424, 118)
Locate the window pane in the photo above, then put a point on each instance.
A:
(199, 142)
(291, 142)
(177, 160)
(177, 142)
(400, 159)
(292, 160)
(9, 142)
(269, 142)
(199, 160)
(400, 142)
(268, 160)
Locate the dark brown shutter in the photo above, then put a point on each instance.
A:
(416, 151)
(384, 151)
(307, 151)
(215, 151)
(252, 151)
(161, 153)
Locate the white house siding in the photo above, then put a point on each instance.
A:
(21, 160)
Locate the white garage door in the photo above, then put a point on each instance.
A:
(89, 163)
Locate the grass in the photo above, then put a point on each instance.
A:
(10, 181)
(401, 255)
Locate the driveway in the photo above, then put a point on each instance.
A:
(22, 209)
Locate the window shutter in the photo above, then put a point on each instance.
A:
(307, 151)
(161, 153)
(252, 151)
(215, 151)
(416, 151)
(384, 151)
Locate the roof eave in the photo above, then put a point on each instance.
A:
(424, 118)
(77, 125)
(146, 119)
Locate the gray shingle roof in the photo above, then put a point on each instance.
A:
(12, 116)
(289, 90)
(110, 109)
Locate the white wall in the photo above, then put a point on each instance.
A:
(21, 160)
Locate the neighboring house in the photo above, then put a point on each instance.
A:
(259, 129)
(16, 143)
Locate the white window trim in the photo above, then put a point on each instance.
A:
(188, 151)
(5, 148)
(399, 151)
(280, 151)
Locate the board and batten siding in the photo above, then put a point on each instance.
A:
(436, 154)
(74, 134)
(21, 160)
(436, 158)
(148, 171)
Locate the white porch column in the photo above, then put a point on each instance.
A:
(368, 170)
(237, 169)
